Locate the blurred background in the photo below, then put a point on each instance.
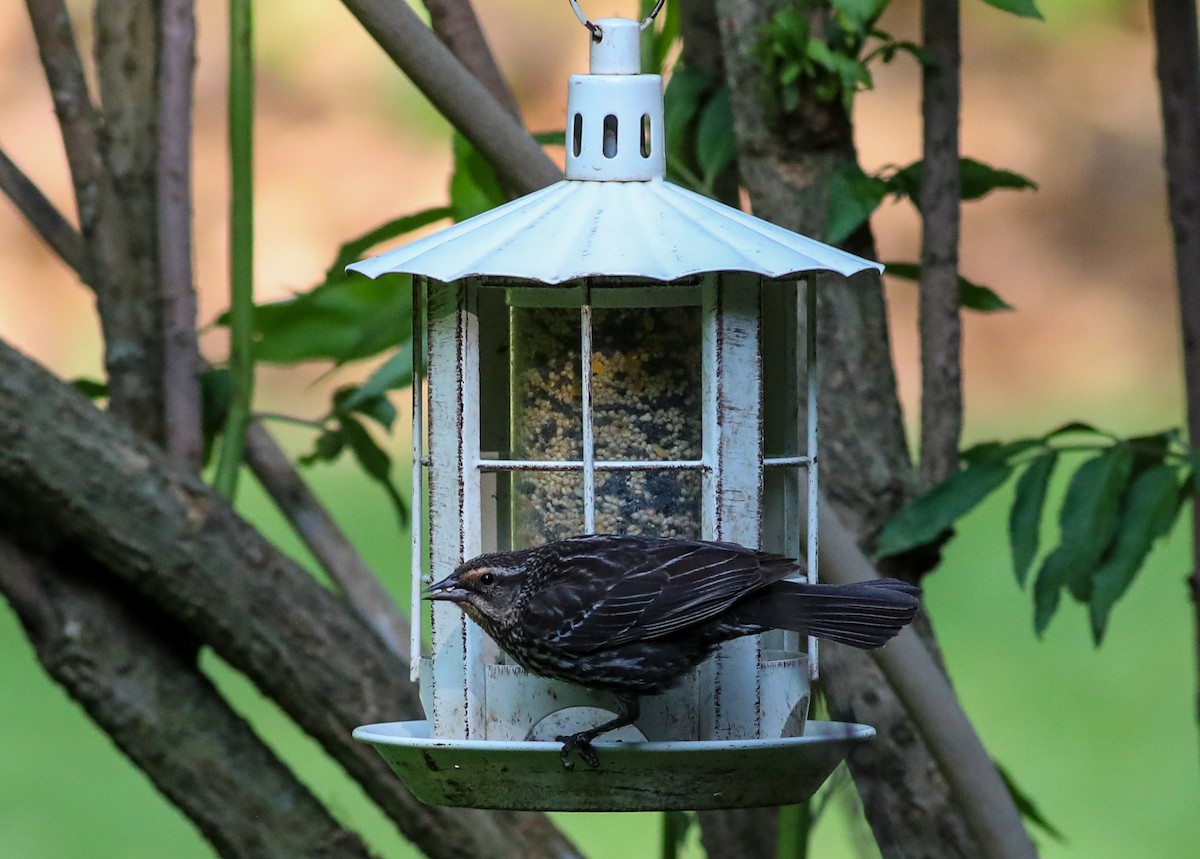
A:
(1104, 741)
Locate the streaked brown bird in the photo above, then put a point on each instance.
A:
(633, 615)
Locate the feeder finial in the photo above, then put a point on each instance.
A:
(615, 114)
(616, 47)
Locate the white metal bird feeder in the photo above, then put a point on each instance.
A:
(612, 354)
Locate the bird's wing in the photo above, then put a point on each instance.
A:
(629, 589)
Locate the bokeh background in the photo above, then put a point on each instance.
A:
(1105, 741)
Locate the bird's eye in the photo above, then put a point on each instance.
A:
(487, 579)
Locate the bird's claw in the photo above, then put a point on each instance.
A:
(581, 744)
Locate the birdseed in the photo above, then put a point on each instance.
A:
(646, 387)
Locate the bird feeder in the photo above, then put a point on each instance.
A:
(612, 354)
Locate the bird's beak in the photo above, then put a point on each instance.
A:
(447, 589)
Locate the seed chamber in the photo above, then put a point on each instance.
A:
(644, 378)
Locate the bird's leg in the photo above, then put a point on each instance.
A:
(628, 709)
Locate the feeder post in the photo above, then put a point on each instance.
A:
(733, 481)
(456, 647)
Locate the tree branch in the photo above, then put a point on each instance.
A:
(455, 23)
(1178, 71)
(77, 118)
(46, 220)
(325, 539)
(978, 789)
(100, 487)
(145, 690)
(940, 321)
(173, 175)
(454, 91)
(109, 191)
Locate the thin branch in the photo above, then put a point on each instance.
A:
(940, 321)
(181, 358)
(113, 654)
(935, 710)
(43, 216)
(457, 94)
(96, 485)
(73, 105)
(1178, 70)
(325, 539)
(456, 24)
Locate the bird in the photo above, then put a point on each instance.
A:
(632, 615)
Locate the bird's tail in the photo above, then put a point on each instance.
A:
(864, 614)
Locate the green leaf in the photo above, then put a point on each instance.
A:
(976, 180)
(659, 38)
(377, 407)
(1151, 449)
(1087, 524)
(93, 389)
(393, 374)
(1026, 806)
(1148, 512)
(861, 13)
(685, 92)
(980, 298)
(1022, 8)
(343, 320)
(971, 296)
(979, 179)
(716, 146)
(474, 188)
(328, 447)
(1004, 451)
(1047, 588)
(925, 518)
(853, 196)
(888, 50)
(356, 248)
(1073, 427)
(374, 461)
(556, 137)
(216, 392)
(1025, 518)
(849, 73)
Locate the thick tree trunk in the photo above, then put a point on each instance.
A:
(785, 164)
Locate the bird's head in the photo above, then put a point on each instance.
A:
(486, 588)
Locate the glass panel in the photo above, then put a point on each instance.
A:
(646, 383)
(547, 506)
(546, 393)
(546, 402)
(654, 503)
(784, 523)
(783, 354)
(646, 400)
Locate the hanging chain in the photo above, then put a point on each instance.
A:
(595, 30)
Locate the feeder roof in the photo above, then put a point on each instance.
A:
(647, 229)
(615, 215)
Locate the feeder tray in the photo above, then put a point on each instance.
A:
(654, 776)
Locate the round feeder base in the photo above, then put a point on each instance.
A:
(658, 776)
